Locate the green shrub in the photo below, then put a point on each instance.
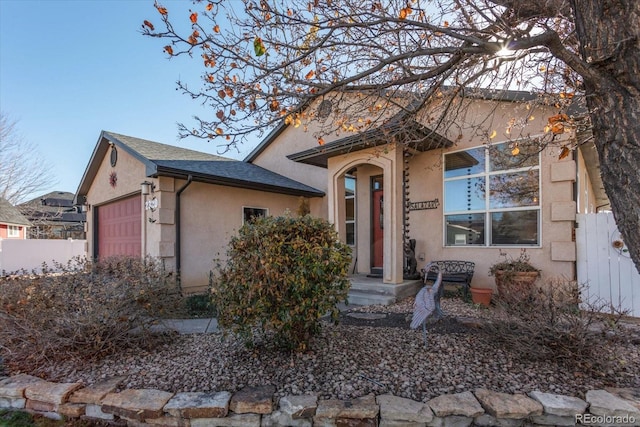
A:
(282, 275)
(85, 310)
(200, 305)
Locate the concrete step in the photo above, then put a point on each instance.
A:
(373, 288)
(356, 297)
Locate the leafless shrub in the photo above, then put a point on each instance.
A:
(552, 321)
(84, 311)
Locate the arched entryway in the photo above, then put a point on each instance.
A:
(377, 210)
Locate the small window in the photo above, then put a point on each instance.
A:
(13, 231)
(249, 213)
(350, 202)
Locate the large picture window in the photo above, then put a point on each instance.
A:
(492, 196)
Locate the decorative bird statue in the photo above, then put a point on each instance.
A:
(426, 302)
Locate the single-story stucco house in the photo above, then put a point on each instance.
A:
(462, 193)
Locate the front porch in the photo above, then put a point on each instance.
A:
(369, 291)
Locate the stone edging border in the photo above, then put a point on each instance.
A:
(255, 407)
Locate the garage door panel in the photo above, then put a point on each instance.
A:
(119, 228)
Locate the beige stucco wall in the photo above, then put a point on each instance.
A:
(211, 213)
(210, 216)
(274, 158)
(130, 173)
(556, 253)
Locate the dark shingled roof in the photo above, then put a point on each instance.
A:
(168, 160)
(9, 214)
(52, 208)
(236, 173)
(156, 151)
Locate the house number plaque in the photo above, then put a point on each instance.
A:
(427, 204)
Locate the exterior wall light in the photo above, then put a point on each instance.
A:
(147, 188)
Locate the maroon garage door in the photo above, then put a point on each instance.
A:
(119, 228)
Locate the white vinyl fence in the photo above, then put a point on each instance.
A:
(30, 254)
(604, 265)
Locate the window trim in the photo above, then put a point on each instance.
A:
(355, 210)
(487, 211)
(265, 210)
(13, 231)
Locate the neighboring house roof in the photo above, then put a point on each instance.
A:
(167, 160)
(9, 214)
(53, 208)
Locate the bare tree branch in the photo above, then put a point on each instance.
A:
(264, 59)
(23, 173)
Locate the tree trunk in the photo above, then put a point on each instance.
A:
(609, 35)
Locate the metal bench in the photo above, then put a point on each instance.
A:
(453, 271)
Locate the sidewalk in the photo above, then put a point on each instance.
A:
(202, 326)
(188, 326)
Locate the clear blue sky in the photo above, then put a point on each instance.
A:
(72, 68)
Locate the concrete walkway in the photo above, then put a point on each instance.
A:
(208, 325)
(188, 326)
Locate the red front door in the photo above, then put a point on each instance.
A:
(119, 228)
(377, 233)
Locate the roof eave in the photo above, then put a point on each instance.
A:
(373, 138)
(106, 140)
(231, 182)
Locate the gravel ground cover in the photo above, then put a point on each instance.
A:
(360, 355)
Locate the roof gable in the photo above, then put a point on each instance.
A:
(168, 160)
(470, 93)
(9, 214)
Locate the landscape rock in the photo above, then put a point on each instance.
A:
(464, 404)
(15, 386)
(12, 403)
(394, 408)
(298, 407)
(253, 400)
(168, 421)
(553, 420)
(505, 405)
(199, 405)
(601, 402)
(280, 418)
(136, 404)
(398, 423)
(95, 411)
(361, 408)
(96, 392)
(234, 420)
(45, 391)
(486, 420)
(73, 410)
(556, 404)
(630, 394)
(38, 406)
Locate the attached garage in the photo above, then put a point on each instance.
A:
(119, 228)
(181, 206)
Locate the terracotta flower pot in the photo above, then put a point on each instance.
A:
(481, 296)
(514, 282)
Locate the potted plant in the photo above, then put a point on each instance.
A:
(514, 275)
(481, 296)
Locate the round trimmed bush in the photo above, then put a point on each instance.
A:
(282, 275)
